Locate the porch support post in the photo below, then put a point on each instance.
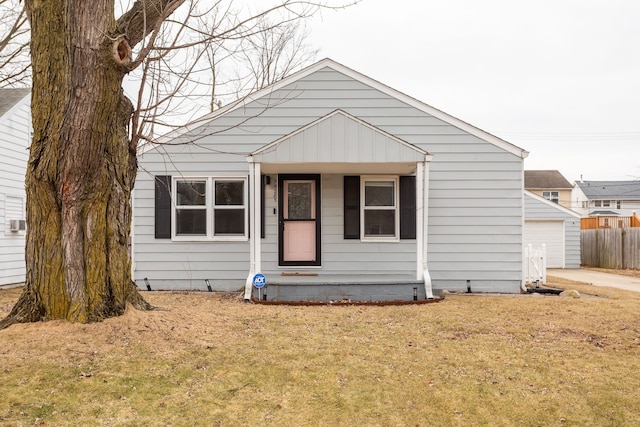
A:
(422, 226)
(255, 258)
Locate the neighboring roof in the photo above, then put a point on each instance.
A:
(606, 190)
(545, 180)
(10, 97)
(604, 213)
(329, 63)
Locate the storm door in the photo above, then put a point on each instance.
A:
(299, 219)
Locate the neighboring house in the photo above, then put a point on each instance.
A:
(549, 184)
(604, 198)
(334, 186)
(15, 135)
(555, 226)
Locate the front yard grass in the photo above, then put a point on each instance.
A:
(210, 359)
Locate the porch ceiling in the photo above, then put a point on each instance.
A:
(338, 141)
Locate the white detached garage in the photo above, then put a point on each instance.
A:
(554, 226)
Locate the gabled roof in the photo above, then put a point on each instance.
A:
(10, 97)
(606, 190)
(347, 139)
(545, 180)
(329, 63)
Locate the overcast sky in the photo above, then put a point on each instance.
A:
(559, 78)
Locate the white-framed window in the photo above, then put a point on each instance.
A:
(551, 196)
(191, 207)
(229, 207)
(380, 219)
(210, 208)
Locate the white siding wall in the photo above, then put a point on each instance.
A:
(539, 210)
(475, 207)
(15, 126)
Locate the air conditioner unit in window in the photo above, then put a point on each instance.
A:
(17, 225)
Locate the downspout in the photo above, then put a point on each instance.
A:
(254, 223)
(422, 224)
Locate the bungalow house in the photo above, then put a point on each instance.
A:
(15, 135)
(332, 186)
(549, 184)
(608, 198)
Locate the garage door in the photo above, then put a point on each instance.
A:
(551, 233)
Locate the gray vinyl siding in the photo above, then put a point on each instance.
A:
(15, 126)
(538, 210)
(475, 192)
(340, 256)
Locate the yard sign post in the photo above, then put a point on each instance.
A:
(259, 280)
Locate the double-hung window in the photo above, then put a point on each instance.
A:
(380, 213)
(551, 196)
(210, 208)
(191, 208)
(229, 213)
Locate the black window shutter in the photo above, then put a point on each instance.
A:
(407, 207)
(263, 209)
(163, 207)
(351, 207)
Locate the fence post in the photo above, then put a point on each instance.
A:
(622, 248)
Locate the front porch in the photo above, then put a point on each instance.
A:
(342, 209)
(339, 287)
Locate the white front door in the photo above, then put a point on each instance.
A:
(299, 222)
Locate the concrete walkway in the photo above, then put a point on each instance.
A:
(597, 278)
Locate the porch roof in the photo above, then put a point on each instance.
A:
(339, 138)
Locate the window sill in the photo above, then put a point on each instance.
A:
(209, 239)
(379, 239)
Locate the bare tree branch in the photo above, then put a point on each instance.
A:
(216, 54)
(143, 17)
(14, 44)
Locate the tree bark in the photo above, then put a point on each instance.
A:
(81, 167)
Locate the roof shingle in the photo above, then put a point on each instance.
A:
(545, 180)
(617, 190)
(10, 97)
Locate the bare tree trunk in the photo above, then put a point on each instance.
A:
(81, 168)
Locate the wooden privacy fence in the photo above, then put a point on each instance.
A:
(617, 248)
(609, 221)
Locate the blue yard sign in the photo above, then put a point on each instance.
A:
(259, 281)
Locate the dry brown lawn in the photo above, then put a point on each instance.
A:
(206, 359)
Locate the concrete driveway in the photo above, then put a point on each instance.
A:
(597, 278)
